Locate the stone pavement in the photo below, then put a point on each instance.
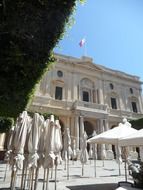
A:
(107, 176)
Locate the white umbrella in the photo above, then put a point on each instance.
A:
(113, 136)
(84, 154)
(40, 150)
(67, 151)
(134, 139)
(58, 147)
(53, 148)
(49, 151)
(18, 143)
(33, 145)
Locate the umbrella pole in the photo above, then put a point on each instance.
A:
(82, 169)
(125, 170)
(119, 168)
(13, 180)
(44, 179)
(65, 165)
(95, 167)
(56, 177)
(103, 163)
(36, 178)
(51, 173)
(5, 172)
(68, 168)
(47, 179)
(25, 177)
(22, 179)
(32, 178)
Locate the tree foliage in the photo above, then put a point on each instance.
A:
(29, 30)
(137, 124)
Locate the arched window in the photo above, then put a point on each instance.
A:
(86, 90)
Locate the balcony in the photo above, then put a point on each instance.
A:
(124, 113)
(44, 101)
(89, 107)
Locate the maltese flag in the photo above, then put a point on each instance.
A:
(82, 42)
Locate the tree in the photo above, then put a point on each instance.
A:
(29, 30)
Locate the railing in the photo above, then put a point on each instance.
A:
(125, 113)
(78, 104)
(49, 102)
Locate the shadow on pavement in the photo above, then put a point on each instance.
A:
(105, 186)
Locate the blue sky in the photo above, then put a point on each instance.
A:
(114, 34)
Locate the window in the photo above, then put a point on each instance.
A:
(113, 103)
(131, 90)
(58, 93)
(111, 86)
(134, 107)
(60, 73)
(85, 96)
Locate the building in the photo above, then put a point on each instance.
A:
(87, 96)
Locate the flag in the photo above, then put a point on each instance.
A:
(82, 42)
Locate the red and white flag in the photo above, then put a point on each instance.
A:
(82, 42)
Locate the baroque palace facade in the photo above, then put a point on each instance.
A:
(87, 97)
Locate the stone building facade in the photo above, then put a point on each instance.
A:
(87, 96)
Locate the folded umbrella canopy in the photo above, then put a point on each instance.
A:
(67, 151)
(18, 143)
(34, 136)
(53, 146)
(84, 154)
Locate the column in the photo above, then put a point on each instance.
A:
(81, 129)
(77, 131)
(100, 130)
(100, 93)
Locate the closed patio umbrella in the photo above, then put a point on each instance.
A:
(53, 146)
(33, 141)
(67, 151)
(83, 154)
(18, 143)
(40, 150)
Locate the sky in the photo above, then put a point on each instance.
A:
(113, 30)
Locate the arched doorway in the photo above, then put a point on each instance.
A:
(89, 129)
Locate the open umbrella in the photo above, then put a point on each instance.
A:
(83, 154)
(134, 139)
(113, 136)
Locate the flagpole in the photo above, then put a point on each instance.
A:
(85, 49)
